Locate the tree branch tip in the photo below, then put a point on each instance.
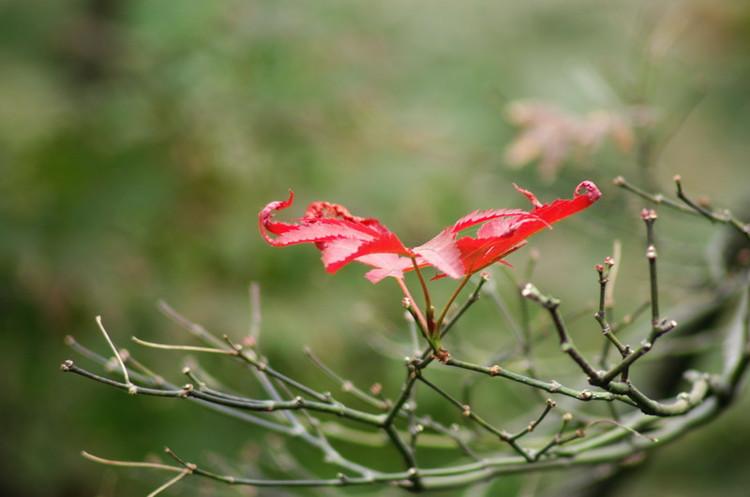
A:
(649, 215)
(666, 326)
(186, 370)
(66, 365)
(567, 417)
(551, 403)
(619, 181)
(529, 291)
(69, 340)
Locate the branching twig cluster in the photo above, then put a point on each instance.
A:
(293, 408)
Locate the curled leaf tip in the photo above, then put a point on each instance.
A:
(589, 189)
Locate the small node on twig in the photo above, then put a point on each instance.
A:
(69, 340)
(347, 386)
(567, 417)
(236, 347)
(529, 291)
(376, 389)
(186, 389)
(299, 401)
(666, 326)
(551, 403)
(442, 355)
(66, 366)
(466, 410)
(495, 370)
(186, 370)
(585, 395)
(554, 386)
(618, 181)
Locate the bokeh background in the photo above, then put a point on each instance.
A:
(139, 139)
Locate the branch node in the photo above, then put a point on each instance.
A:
(585, 395)
(186, 389)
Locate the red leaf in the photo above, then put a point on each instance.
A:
(497, 238)
(386, 265)
(443, 253)
(340, 236)
(343, 238)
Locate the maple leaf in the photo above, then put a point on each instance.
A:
(343, 238)
(340, 236)
(498, 237)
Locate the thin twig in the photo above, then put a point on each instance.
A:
(131, 387)
(189, 348)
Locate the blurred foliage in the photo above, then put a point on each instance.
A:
(139, 139)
